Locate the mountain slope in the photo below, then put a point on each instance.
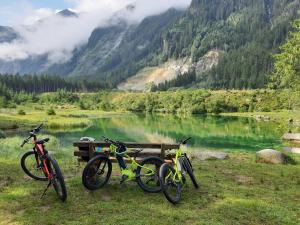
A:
(229, 44)
(139, 47)
(249, 32)
(118, 51)
(90, 58)
(7, 34)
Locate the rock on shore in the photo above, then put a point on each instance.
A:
(208, 155)
(292, 150)
(291, 137)
(270, 156)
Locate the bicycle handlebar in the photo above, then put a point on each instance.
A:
(25, 141)
(117, 143)
(33, 132)
(37, 129)
(185, 141)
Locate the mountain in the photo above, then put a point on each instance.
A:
(7, 34)
(227, 43)
(67, 13)
(117, 51)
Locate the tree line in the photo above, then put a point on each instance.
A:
(45, 83)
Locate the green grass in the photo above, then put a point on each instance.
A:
(234, 191)
(283, 115)
(66, 117)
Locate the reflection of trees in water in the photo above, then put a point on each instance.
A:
(207, 131)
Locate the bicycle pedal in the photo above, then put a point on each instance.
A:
(124, 178)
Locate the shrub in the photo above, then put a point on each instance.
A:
(21, 112)
(84, 105)
(51, 112)
(39, 108)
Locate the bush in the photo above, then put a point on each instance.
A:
(216, 104)
(39, 108)
(51, 112)
(21, 112)
(63, 96)
(84, 105)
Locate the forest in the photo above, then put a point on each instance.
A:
(249, 37)
(46, 83)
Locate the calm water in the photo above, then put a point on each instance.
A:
(216, 133)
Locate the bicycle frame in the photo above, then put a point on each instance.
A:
(177, 177)
(42, 153)
(130, 172)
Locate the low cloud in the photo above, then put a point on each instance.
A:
(43, 31)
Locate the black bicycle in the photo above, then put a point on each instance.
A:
(40, 165)
(98, 170)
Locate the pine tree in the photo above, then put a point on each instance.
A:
(287, 66)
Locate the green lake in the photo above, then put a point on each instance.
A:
(207, 132)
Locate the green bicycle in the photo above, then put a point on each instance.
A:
(172, 177)
(98, 170)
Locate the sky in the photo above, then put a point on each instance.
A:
(43, 31)
(12, 9)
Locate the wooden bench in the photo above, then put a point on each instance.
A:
(87, 150)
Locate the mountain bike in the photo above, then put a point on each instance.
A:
(172, 177)
(40, 165)
(98, 170)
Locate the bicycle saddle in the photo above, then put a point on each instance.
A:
(135, 152)
(42, 141)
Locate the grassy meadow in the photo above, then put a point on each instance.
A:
(234, 191)
(65, 117)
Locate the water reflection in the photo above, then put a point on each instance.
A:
(207, 132)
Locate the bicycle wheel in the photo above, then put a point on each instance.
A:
(97, 172)
(31, 165)
(170, 187)
(57, 181)
(147, 174)
(188, 168)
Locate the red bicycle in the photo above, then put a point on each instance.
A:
(40, 165)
